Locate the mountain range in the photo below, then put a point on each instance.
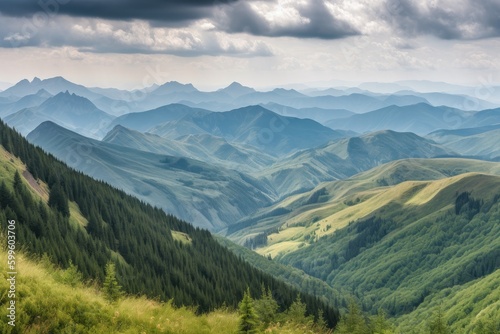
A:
(77, 228)
(69, 110)
(386, 194)
(205, 195)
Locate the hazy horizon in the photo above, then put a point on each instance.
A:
(257, 43)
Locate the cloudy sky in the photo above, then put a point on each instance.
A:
(210, 43)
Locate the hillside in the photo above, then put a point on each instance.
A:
(88, 223)
(207, 196)
(27, 101)
(343, 158)
(204, 147)
(408, 237)
(420, 239)
(479, 141)
(419, 118)
(58, 301)
(336, 203)
(145, 120)
(254, 126)
(320, 115)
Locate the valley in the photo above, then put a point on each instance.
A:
(387, 199)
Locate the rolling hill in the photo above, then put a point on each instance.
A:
(145, 120)
(419, 118)
(414, 240)
(334, 200)
(345, 157)
(254, 126)
(481, 141)
(207, 196)
(406, 236)
(82, 224)
(205, 147)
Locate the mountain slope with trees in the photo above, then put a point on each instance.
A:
(108, 225)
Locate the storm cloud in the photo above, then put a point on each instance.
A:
(103, 36)
(161, 12)
(309, 19)
(232, 27)
(445, 19)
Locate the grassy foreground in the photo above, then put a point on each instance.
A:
(51, 300)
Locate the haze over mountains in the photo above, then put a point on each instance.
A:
(281, 142)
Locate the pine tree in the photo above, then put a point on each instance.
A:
(71, 275)
(297, 312)
(380, 324)
(353, 322)
(266, 307)
(17, 181)
(112, 291)
(437, 324)
(58, 200)
(321, 323)
(249, 320)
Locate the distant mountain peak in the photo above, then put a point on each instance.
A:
(176, 87)
(69, 98)
(43, 93)
(36, 80)
(23, 82)
(236, 89)
(287, 92)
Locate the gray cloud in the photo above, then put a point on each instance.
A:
(466, 19)
(317, 22)
(136, 37)
(161, 12)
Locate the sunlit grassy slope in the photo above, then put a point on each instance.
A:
(332, 205)
(45, 304)
(417, 250)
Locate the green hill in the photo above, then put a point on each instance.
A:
(75, 219)
(407, 248)
(208, 196)
(480, 141)
(52, 300)
(332, 205)
(346, 157)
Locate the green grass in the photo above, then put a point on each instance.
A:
(412, 182)
(46, 304)
(465, 307)
(425, 256)
(182, 237)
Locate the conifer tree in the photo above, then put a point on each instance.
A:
(112, 290)
(58, 199)
(17, 181)
(437, 324)
(380, 324)
(297, 312)
(266, 307)
(249, 320)
(353, 322)
(321, 323)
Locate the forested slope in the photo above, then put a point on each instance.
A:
(89, 223)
